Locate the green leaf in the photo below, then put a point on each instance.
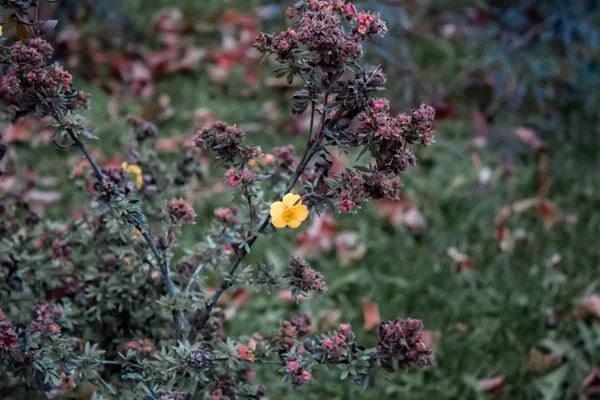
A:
(550, 385)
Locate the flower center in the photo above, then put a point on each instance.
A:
(288, 213)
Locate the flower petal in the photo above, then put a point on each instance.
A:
(290, 199)
(294, 223)
(278, 221)
(277, 208)
(300, 212)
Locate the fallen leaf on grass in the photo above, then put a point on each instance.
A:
(548, 212)
(287, 296)
(529, 137)
(328, 319)
(591, 385)
(492, 385)
(461, 260)
(592, 305)
(506, 241)
(348, 248)
(170, 144)
(246, 352)
(239, 297)
(37, 196)
(540, 362)
(402, 212)
(371, 314)
(318, 237)
(432, 339)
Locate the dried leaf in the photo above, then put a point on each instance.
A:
(329, 318)
(540, 362)
(592, 305)
(23, 31)
(170, 144)
(17, 133)
(505, 240)
(591, 384)
(287, 296)
(529, 137)
(545, 183)
(348, 248)
(371, 314)
(317, 238)
(245, 353)
(492, 385)
(461, 260)
(402, 212)
(548, 212)
(36, 196)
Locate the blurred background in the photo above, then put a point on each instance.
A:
(496, 242)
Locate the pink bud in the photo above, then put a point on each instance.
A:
(346, 205)
(306, 375)
(292, 366)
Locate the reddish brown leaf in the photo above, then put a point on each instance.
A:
(371, 314)
(461, 260)
(444, 107)
(170, 144)
(492, 385)
(591, 385)
(529, 137)
(329, 318)
(592, 305)
(544, 185)
(505, 239)
(548, 212)
(402, 212)
(543, 363)
(432, 339)
(348, 248)
(37, 196)
(246, 352)
(318, 237)
(287, 296)
(240, 296)
(17, 133)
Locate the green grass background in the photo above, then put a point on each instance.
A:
(487, 319)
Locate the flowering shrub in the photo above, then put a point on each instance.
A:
(115, 306)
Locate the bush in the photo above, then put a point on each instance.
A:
(106, 303)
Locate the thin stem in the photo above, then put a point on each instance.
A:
(81, 146)
(193, 278)
(312, 122)
(201, 317)
(164, 267)
(321, 132)
(102, 362)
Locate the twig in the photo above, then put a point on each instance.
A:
(193, 278)
(164, 267)
(201, 317)
(102, 362)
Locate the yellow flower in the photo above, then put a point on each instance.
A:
(288, 212)
(252, 163)
(128, 259)
(0, 30)
(136, 171)
(136, 233)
